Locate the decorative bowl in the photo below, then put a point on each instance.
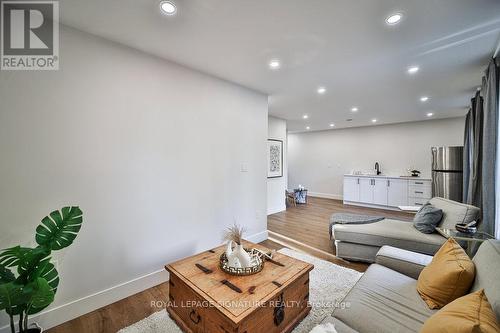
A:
(257, 264)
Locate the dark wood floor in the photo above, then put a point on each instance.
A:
(304, 227)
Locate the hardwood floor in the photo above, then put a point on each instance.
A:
(309, 223)
(304, 228)
(113, 317)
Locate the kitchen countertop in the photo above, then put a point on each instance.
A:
(387, 176)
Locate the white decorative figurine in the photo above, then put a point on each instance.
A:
(237, 257)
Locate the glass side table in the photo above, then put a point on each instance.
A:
(461, 236)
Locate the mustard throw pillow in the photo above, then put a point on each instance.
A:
(467, 314)
(448, 277)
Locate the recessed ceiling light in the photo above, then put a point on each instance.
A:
(168, 7)
(321, 90)
(354, 109)
(305, 116)
(424, 99)
(274, 64)
(413, 69)
(308, 128)
(394, 19)
(332, 125)
(374, 120)
(430, 114)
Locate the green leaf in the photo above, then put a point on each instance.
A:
(10, 257)
(6, 275)
(59, 229)
(47, 271)
(30, 261)
(12, 298)
(40, 297)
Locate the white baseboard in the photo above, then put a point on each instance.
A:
(65, 312)
(352, 203)
(258, 237)
(325, 195)
(274, 210)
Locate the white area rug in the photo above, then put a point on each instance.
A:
(328, 285)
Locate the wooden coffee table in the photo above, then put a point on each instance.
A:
(203, 298)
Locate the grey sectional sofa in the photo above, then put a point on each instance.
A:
(361, 242)
(385, 299)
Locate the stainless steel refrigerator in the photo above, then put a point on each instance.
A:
(447, 172)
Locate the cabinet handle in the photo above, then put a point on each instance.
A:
(419, 183)
(388, 183)
(419, 192)
(358, 181)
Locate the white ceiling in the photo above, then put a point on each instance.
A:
(343, 45)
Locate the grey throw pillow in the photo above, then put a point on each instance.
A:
(427, 218)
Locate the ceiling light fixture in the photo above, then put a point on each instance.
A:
(168, 7)
(430, 114)
(274, 64)
(424, 99)
(394, 19)
(413, 69)
(305, 116)
(321, 90)
(354, 109)
(332, 125)
(374, 120)
(308, 128)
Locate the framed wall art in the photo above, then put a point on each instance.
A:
(275, 158)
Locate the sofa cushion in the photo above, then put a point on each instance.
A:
(448, 277)
(455, 212)
(427, 218)
(389, 232)
(403, 261)
(470, 313)
(487, 261)
(384, 301)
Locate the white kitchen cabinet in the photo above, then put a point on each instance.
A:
(397, 192)
(351, 189)
(380, 191)
(366, 190)
(385, 192)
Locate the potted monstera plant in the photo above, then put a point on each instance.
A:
(28, 280)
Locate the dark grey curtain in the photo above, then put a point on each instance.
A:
(473, 151)
(489, 91)
(480, 148)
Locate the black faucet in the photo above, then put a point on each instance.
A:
(377, 167)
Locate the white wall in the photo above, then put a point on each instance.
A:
(318, 160)
(276, 186)
(151, 151)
